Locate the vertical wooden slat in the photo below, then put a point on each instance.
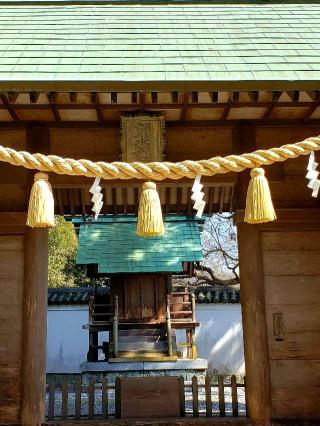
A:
(189, 202)
(91, 398)
(208, 397)
(114, 200)
(77, 402)
(117, 398)
(179, 199)
(234, 396)
(64, 396)
(52, 390)
(245, 396)
(222, 408)
(136, 200)
(182, 397)
(195, 396)
(125, 200)
(105, 399)
(105, 199)
(167, 200)
(71, 201)
(82, 202)
(60, 202)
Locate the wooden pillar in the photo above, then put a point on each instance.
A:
(34, 304)
(254, 325)
(34, 327)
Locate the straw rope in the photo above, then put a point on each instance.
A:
(158, 170)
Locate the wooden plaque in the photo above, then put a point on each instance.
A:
(142, 138)
(148, 397)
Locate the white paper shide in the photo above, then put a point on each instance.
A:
(197, 196)
(95, 190)
(312, 175)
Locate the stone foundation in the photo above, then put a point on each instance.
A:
(182, 367)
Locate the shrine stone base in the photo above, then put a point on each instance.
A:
(185, 368)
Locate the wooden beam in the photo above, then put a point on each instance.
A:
(258, 393)
(73, 97)
(254, 95)
(154, 97)
(311, 110)
(13, 96)
(52, 102)
(95, 100)
(34, 96)
(141, 101)
(227, 109)
(185, 106)
(294, 95)
(9, 107)
(275, 97)
(35, 305)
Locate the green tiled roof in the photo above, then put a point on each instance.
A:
(113, 245)
(148, 42)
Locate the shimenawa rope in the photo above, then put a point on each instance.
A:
(158, 170)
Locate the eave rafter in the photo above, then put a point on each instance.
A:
(117, 103)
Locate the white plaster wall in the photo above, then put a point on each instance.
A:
(67, 342)
(219, 338)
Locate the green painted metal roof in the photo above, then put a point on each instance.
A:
(113, 245)
(115, 42)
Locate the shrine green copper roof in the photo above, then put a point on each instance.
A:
(112, 244)
(130, 45)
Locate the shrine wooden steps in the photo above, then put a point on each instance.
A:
(143, 343)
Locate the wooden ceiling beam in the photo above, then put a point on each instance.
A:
(254, 96)
(275, 97)
(34, 96)
(142, 99)
(154, 97)
(214, 96)
(311, 110)
(73, 97)
(95, 101)
(185, 106)
(294, 95)
(12, 97)
(175, 97)
(52, 102)
(10, 108)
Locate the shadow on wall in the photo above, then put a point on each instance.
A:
(219, 338)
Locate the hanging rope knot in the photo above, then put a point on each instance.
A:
(258, 171)
(149, 185)
(41, 176)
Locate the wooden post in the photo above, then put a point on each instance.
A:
(115, 327)
(258, 394)
(34, 327)
(34, 304)
(169, 326)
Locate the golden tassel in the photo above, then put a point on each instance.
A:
(41, 203)
(259, 207)
(150, 222)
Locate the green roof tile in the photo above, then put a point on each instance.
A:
(183, 41)
(112, 244)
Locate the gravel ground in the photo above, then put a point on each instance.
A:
(188, 399)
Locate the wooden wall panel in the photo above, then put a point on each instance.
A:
(11, 288)
(292, 290)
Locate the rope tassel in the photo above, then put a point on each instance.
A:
(259, 207)
(150, 222)
(41, 203)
